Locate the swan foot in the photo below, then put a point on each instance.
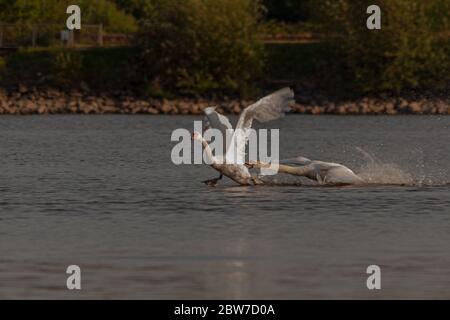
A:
(213, 182)
(257, 181)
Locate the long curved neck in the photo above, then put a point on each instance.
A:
(298, 171)
(208, 151)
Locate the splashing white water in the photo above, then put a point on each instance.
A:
(375, 171)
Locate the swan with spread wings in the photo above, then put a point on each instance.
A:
(232, 164)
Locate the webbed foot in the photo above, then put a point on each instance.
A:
(212, 182)
(257, 181)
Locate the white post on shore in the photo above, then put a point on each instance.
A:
(71, 38)
(34, 35)
(1, 34)
(100, 35)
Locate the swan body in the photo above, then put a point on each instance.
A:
(325, 173)
(232, 163)
(238, 173)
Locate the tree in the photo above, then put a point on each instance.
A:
(197, 46)
(288, 10)
(410, 51)
(54, 12)
(140, 9)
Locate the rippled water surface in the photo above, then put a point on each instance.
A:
(101, 192)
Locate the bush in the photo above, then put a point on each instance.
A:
(140, 9)
(410, 51)
(289, 10)
(27, 12)
(99, 68)
(197, 46)
(106, 13)
(2, 67)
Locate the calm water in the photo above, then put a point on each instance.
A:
(101, 192)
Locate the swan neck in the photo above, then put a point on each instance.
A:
(286, 169)
(298, 171)
(208, 151)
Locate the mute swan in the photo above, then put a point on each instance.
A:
(232, 164)
(326, 173)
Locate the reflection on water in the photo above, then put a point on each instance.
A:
(101, 192)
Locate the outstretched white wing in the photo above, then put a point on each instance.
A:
(266, 109)
(217, 121)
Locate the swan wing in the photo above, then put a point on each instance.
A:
(297, 161)
(215, 120)
(269, 108)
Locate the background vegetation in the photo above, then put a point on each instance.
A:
(96, 69)
(411, 50)
(203, 47)
(291, 11)
(104, 12)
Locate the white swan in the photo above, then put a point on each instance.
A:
(232, 164)
(326, 173)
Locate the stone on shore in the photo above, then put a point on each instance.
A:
(24, 100)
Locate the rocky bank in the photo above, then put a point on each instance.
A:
(23, 101)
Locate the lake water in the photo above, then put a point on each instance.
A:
(101, 192)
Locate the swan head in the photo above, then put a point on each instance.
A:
(197, 136)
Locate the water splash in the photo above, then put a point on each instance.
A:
(376, 171)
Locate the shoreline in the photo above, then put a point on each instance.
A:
(25, 101)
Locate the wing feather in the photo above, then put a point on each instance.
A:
(297, 161)
(266, 109)
(269, 108)
(218, 121)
